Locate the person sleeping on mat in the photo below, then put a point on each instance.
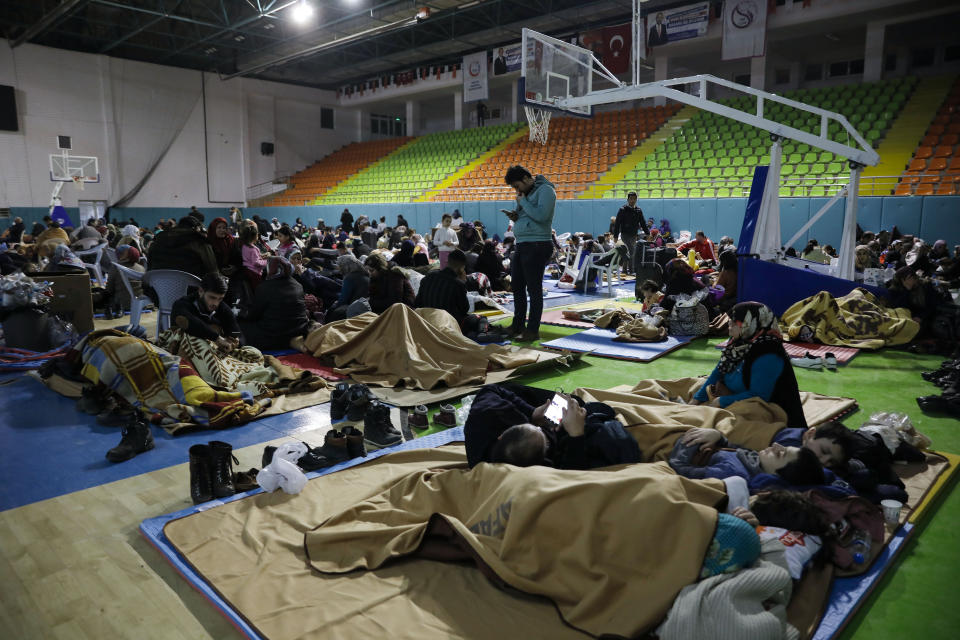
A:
(514, 424)
(754, 364)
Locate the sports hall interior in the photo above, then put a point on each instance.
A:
(360, 104)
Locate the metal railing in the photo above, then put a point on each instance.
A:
(265, 189)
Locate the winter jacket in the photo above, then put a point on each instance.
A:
(535, 209)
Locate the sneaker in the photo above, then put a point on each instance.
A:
(333, 451)
(136, 439)
(358, 399)
(339, 401)
(446, 417)
(378, 431)
(807, 362)
(355, 446)
(418, 417)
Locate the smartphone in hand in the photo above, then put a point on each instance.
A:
(556, 410)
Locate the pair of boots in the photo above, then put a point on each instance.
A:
(338, 446)
(350, 401)
(211, 471)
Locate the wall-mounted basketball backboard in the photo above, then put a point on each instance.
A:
(67, 168)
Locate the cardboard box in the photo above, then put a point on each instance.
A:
(71, 297)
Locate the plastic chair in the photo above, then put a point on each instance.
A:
(170, 285)
(590, 264)
(137, 303)
(94, 267)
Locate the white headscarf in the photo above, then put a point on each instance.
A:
(132, 231)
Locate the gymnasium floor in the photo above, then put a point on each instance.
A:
(73, 564)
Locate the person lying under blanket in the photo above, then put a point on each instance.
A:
(754, 364)
(507, 423)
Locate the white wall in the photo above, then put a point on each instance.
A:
(126, 113)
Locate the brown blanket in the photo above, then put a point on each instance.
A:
(610, 548)
(420, 349)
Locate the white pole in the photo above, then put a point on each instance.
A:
(848, 242)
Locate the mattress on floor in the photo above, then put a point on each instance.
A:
(599, 342)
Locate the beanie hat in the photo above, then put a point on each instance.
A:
(735, 545)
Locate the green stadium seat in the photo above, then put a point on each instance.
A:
(693, 193)
(818, 192)
(723, 192)
(669, 193)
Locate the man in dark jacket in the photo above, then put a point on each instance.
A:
(204, 314)
(627, 226)
(447, 288)
(507, 423)
(14, 232)
(346, 220)
(278, 312)
(184, 249)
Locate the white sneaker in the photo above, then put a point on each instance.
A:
(808, 362)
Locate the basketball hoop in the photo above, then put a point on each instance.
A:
(77, 182)
(539, 121)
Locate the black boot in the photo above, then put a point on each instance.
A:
(355, 442)
(339, 399)
(378, 431)
(201, 474)
(359, 398)
(221, 462)
(136, 438)
(333, 451)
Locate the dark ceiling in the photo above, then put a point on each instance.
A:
(346, 41)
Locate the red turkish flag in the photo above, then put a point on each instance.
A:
(617, 42)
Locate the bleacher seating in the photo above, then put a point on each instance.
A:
(713, 156)
(578, 151)
(307, 185)
(410, 171)
(935, 166)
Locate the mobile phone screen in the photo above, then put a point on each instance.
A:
(556, 410)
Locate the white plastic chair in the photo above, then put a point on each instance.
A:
(170, 285)
(137, 303)
(590, 264)
(570, 269)
(94, 267)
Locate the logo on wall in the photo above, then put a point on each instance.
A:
(743, 14)
(474, 69)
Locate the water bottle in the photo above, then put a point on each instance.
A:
(860, 546)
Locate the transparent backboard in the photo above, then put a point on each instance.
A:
(64, 168)
(552, 70)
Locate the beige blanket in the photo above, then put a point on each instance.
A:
(420, 349)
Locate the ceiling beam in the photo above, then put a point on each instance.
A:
(47, 21)
(140, 29)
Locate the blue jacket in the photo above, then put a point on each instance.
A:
(535, 223)
(766, 372)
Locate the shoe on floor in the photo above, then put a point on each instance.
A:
(830, 361)
(339, 401)
(418, 417)
(446, 417)
(807, 362)
(333, 451)
(221, 465)
(378, 431)
(136, 438)
(527, 336)
(358, 399)
(201, 474)
(949, 405)
(355, 448)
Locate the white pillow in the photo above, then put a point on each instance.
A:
(798, 547)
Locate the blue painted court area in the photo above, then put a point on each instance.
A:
(53, 449)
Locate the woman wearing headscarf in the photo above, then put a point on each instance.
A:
(388, 284)
(754, 364)
(63, 259)
(278, 312)
(130, 235)
(219, 237)
(356, 285)
(116, 296)
(404, 257)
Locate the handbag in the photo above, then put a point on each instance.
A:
(688, 321)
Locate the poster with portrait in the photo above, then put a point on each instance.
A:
(744, 29)
(678, 23)
(507, 59)
(475, 77)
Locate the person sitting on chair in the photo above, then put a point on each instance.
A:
(204, 314)
(116, 297)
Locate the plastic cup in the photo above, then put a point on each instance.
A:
(891, 510)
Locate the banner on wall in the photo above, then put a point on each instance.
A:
(679, 23)
(507, 59)
(744, 29)
(475, 77)
(611, 46)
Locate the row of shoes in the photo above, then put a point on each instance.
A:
(338, 446)
(946, 377)
(355, 403)
(446, 417)
(810, 361)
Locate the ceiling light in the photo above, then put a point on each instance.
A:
(239, 37)
(210, 50)
(301, 12)
(269, 26)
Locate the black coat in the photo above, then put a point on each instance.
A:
(200, 323)
(278, 308)
(182, 249)
(786, 393)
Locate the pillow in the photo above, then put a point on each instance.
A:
(798, 547)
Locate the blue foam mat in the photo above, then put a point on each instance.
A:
(599, 342)
(152, 528)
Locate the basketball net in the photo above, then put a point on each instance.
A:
(78, 182)
(539, 121)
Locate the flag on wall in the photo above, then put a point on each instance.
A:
(475, 77)
(744, 29)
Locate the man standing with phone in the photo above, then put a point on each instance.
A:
(627, 226)
(532, 228)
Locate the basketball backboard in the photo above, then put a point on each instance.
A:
(65, 168)
(553, 69)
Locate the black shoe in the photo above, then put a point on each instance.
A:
(949, 405)
(201, 474)
(267, 456)
(378, 431)
(221, 464)
(359, 400)
(355, 442)
(333, 451)
(339, 400)
(136, 438)
(418, 417)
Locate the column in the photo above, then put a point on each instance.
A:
(660, 65)
(363, 125)
(514, 96)
(413, 118)
(458, 109)
(873, 52)
(796, 75)
(758, 72)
